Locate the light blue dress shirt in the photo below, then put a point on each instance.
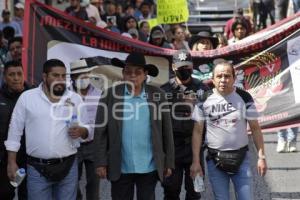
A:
(137, 154)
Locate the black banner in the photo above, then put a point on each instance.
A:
(267, 62)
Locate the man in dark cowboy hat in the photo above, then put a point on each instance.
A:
(133, 135)
(203, 41)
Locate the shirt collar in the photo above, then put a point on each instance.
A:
(216, 92)
(127, 93)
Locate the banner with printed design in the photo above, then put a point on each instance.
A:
(267, 62)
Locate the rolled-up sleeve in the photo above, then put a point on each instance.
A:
(16, 126)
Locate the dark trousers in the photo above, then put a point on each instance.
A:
(93, 182)
(123, 188)
(256, 7)
(172, 184)
(267, 9)
(282, 8)
(85, 157)
(7, 191)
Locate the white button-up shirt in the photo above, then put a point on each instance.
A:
(45, 123)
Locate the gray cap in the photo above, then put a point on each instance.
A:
(182, 58)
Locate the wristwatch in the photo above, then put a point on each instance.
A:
(262, 157)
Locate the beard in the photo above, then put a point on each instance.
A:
(59, 92)
(57, 89)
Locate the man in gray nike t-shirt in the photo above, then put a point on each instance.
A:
(226, 113)
(225, 120)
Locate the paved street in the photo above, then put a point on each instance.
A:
(281, 182)
(284, 170)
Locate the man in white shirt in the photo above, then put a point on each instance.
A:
(45, 113)
(81, 76)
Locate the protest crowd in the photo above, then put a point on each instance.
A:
(46, 130)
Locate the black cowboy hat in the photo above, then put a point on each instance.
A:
(136, 59)
(203, 35)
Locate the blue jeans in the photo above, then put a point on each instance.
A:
(40, 188)
(288, 135)
(296, 4)
(242, 181)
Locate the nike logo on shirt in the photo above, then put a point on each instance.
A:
(216, 117)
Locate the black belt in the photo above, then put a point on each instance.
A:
(51, 161)
(216, 150)
(212, 151)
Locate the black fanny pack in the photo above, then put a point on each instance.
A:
(228, 161)
(52, 169)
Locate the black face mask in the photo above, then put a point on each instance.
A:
(183, 74)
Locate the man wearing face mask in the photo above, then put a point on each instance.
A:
(80, 76)
(183, 92)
